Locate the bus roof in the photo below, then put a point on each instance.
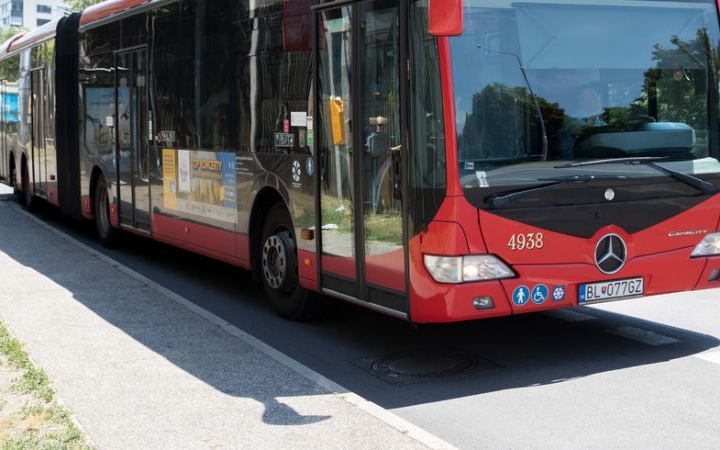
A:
(39, 34)
(107, 9)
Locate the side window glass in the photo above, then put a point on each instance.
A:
(381, 126)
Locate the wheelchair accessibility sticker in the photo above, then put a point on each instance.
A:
(539, 294)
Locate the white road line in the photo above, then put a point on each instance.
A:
(641, 335)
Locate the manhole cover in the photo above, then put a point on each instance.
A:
(415, 366)
(422, 363)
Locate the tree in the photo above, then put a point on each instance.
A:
(504, 127)
(79, 5)
(9, 71)
(684, 74)
(7, 33)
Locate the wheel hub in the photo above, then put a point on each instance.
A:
(274, 260)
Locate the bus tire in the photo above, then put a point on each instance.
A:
(28, 199)
(279, 268)
(107, 234)
(14, 183)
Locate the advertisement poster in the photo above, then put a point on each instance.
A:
(10, 109)
(201, 183)
(169, 165)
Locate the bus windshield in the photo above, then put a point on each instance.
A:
(539, 86)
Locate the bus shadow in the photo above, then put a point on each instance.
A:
(386, 361)
(92, 305)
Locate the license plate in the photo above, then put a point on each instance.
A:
(610, 290)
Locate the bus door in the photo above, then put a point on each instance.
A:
(359, 142)
(131, 146)
(4, 130)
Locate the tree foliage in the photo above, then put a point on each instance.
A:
(7, 33)
(79, 5)
(10, 69)
(689, 70)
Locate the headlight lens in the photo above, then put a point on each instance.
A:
(460, 269)
(710, 245)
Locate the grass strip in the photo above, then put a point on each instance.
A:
(40, 422)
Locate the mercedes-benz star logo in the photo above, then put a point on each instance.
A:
(610, 254)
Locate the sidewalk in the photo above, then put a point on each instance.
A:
(141, 367)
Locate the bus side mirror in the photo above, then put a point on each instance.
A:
(445, 17)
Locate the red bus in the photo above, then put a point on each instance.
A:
(432, 160)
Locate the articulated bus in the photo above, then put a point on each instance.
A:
(433, 160)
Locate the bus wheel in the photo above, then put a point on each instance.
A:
(107, 234)
(278, 263)
(13, 182)
(28, 199)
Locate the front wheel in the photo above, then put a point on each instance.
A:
(279, 267)
(107, 234)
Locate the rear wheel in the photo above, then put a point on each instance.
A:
(14, 183)
(107, 234)
(28, 199)
(279, 267)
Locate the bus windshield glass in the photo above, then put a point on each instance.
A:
(540, 87)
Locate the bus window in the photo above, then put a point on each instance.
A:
(381, 127)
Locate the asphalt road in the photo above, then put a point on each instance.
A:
(634, 374)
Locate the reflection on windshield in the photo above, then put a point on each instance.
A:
(612, 80)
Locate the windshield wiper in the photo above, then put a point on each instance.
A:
(649, 161)
(503, 198)
(625, 160)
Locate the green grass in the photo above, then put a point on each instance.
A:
(41, 423)
(35, 381)
(382, 226)
(12, 349)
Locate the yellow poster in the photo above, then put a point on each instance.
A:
(170, 182)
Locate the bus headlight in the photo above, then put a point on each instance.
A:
(460, 269)
(710, 245)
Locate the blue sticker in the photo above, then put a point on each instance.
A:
(310, 166)
(558, 293)
(539, 294)
(521, 295)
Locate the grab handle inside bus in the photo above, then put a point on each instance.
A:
(445, 17)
